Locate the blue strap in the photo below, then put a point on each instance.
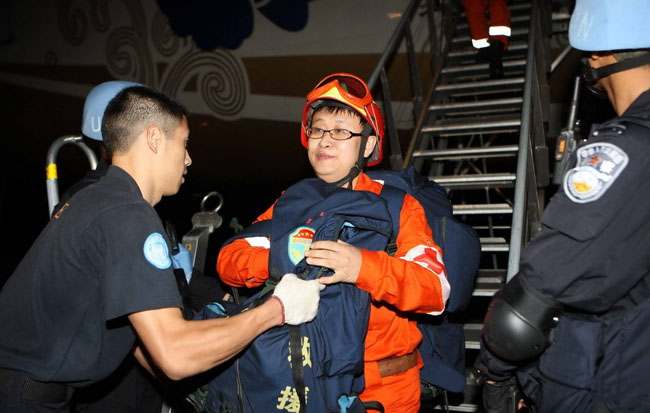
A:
(394, 198)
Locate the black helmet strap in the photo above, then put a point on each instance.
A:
(591, 75)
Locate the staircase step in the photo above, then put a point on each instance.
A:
(492, 272)
(468, 153)
(472, 335)
(489, 281)
(494, 244)
(477, 104)
(493, 227)
(463, 407)
(487, 286)
(475, 181)
(469, 126)
(478, 68)
(515, 33)
(482, 209)
(560, 22)
(514, 48)
(492, 85)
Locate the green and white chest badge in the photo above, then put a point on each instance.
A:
(598, 166)
(156, 251)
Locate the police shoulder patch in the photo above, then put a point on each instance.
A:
(156, 251)
(598, 165)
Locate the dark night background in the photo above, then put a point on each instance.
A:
(249, 161)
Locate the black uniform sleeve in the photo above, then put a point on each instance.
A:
(592, 249)
(134, 254)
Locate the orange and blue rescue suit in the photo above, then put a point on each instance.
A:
(413, 280)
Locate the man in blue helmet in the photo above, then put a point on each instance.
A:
(91, 124)
(572, 325)
(129, 388)
(98, 284)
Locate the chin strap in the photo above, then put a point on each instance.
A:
(592, 75)
(359, 164)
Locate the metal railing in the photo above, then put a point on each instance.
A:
(532, 173)
(532, 164)
(51, 173)
(439, 39)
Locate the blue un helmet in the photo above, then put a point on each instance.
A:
(621, 27)
(599, 25)
(95, 105)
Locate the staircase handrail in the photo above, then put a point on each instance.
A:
(525, 174)
(378, 76)
(394, 42)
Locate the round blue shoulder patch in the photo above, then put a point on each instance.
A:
(156, 251)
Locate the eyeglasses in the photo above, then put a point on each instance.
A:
(336, 134)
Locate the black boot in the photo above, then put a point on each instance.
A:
(494, 56)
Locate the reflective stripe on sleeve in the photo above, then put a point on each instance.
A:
(259, 242)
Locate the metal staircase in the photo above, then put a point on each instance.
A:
(482, 139)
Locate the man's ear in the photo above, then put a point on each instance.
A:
(370, 146)
(600, 59)
(154, 137)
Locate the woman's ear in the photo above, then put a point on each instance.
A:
(370, 146)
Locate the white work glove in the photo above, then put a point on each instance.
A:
(299, 298)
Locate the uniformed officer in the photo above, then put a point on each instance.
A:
(100, 275)
(586, 276)
(91, 123)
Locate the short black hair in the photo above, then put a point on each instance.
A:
(335, 108)
(134, 109)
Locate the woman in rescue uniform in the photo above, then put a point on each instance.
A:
(342, 130)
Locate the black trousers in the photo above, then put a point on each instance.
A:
(21, 394)
(130, 389)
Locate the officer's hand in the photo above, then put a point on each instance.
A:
(502, 396)
(299, 298)
(344, 259)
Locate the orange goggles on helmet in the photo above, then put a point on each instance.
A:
(345, 88)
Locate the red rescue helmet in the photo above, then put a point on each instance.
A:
(352, 92)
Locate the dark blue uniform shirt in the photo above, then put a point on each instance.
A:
(103, 256)
(593, 256)
(593, 253)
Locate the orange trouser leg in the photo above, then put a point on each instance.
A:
(399, 393)
(500, 17)
(476, 18)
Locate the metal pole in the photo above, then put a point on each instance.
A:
(391, 129)
(520, 184)
(51, 175)
(393, 43)
(560, 58)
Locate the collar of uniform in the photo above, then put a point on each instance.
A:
(364, 183)
(640, 107)
(122, 176)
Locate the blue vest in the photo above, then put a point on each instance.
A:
(332, 345)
